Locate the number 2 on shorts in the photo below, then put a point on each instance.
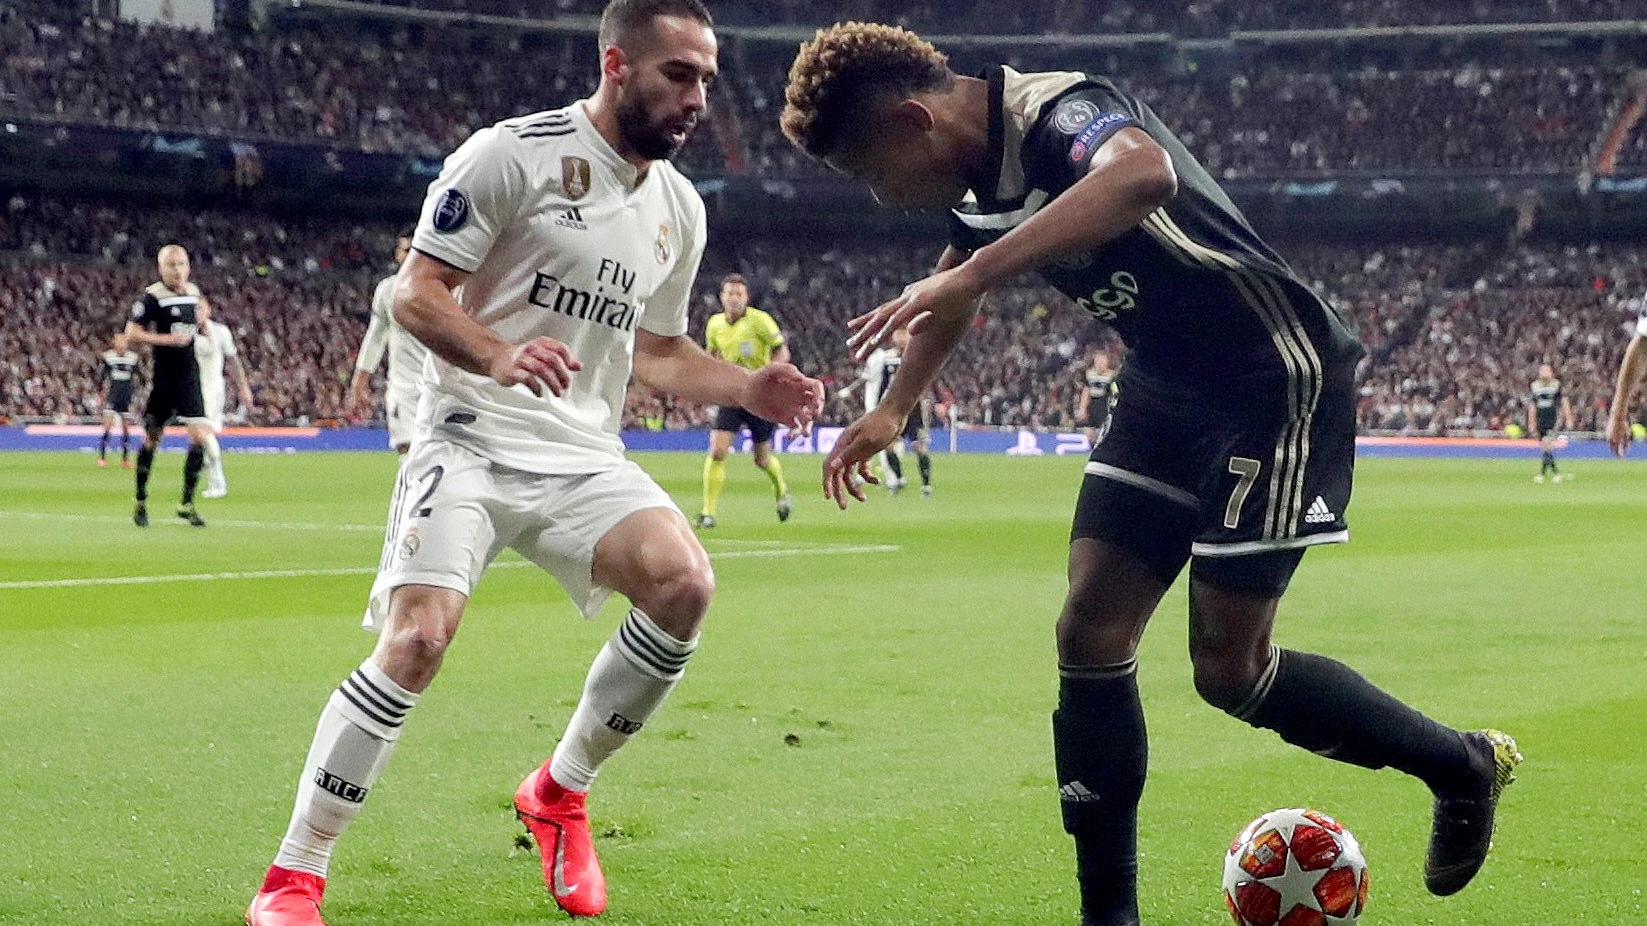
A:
(422, 509)
(1248, 470)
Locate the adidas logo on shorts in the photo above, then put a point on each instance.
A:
(1319, 513)
(1076, 793)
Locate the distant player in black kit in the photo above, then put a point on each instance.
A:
(119, 373)
(165, 319)
(1097, 385)
(1547, 412)
(1230, 447)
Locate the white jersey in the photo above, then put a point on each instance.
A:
(384, 335)
(879, 369)
(559, 242)
(210, 353)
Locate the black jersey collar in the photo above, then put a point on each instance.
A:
(995, 77)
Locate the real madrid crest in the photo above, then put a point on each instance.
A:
(661, 248)
(409, 544)
(574, 177)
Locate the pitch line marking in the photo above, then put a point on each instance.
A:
(162, 521)
(841, 550)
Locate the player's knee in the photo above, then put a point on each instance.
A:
(415, 639)
(1091, 631)
(679, 591)
(717, 454)
(1226, 679)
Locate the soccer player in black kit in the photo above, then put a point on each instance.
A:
(1230, 447)
(165, 319)
(1547, 412)
(119, 371)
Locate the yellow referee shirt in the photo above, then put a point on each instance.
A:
(748, 342)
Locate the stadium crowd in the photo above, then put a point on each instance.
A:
(1190, 17)
(389, 88)
(1454, 332)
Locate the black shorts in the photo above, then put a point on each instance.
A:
(1546, 429)
(120, 398)
(175, 399)
(1097, 414)
(1184, 473)
(914, 430)
(733, 418)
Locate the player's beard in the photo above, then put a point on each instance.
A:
(645, 137)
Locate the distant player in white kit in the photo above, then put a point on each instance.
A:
(879, 368)
(214, 351)
(555, 254)
(386, 337)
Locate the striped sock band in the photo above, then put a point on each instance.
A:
(649, 649)
(371, 699)
(1099, 673)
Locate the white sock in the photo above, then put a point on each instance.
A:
(214, 465)
(629, 678)
(352, 744)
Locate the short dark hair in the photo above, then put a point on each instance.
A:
(737, 278)
(621, 18)
(406, 231)
(845, 70)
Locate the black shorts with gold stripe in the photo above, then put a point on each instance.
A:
(1240, 479)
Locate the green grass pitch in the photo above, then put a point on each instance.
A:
(153, 732)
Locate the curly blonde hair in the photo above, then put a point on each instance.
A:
(844, 69)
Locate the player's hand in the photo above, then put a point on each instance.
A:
(779, 392)
(846, 469)
(540, 364)
(952, 292)
(1618, 431)
(176, 339)
(360, 399)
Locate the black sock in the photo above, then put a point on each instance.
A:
(125, 449)
(894, 464)
(1546, 463)
(924, 461)
(145, 462)
(1328, 708)
(1102, 752)
(191, 471)
(103, 445)
(1553, 467)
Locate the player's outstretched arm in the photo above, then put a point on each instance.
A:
(846, 468)
(777, 392)
(1624, 391)
(1129, 177)
(424, 305)
(372, 348)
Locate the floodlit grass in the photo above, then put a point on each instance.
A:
(153, 733)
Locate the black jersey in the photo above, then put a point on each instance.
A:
(120, 371)
(1546, 397)
(1194, 293)
(165, 312)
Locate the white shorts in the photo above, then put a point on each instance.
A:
(212, 402)
(454, 511)
(400, 408)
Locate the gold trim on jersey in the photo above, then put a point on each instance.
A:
(1305, 378)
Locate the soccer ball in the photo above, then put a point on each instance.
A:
(1295, 868)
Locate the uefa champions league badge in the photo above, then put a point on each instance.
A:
(452, 212)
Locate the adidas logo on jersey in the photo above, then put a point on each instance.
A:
(1076, 793)
(572, 218)
(1319, 513)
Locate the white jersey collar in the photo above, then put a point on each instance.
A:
(627, 173)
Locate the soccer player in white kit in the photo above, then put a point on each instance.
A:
(387, 337)
(555, 253)
(214, 351)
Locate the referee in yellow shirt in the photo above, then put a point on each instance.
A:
(750, 338)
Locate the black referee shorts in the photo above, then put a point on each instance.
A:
(1236, 477)
(173, 399)
(733, 418)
